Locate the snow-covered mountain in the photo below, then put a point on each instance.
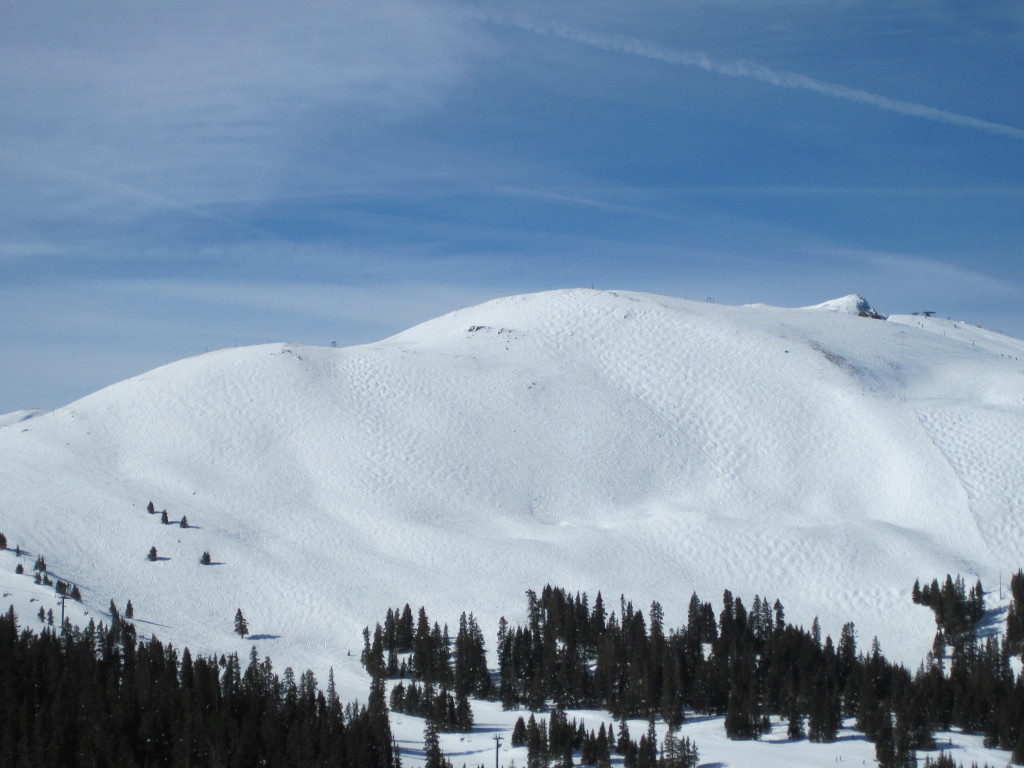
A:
(619, 442)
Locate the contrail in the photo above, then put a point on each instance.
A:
(649, 50)
(125, 190)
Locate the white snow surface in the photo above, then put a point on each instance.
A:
(16, 417)
(774, 750)
(854, 304)
(613, 441)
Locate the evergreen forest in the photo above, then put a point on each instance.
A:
(743, 664)
(102, 697)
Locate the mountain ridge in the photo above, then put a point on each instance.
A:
(597, 440)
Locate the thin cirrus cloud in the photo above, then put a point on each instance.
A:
(745, 69)
(176, 109)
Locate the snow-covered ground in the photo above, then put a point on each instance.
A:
(774, 750)
(607, 441)
(16, 417)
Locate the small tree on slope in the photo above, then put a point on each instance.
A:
(241, 625)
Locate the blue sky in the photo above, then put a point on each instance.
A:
(183, 176)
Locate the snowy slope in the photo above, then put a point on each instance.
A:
(17, 417)
(599, 441)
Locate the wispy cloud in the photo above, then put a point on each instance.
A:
(125, 104)
(116, 189)
(745, 69)
(933, 277)
(24, 250)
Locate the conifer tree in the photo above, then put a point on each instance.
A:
(647, 749)
(885, 752)
(519, 733)
(678, 753)
(241, 625)
(795, 728)
(1018, 749)
(152, 554)
(1015, 616)
(536, 743)
(432, 748)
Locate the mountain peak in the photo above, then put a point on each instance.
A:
(853, 304)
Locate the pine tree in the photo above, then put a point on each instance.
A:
(205, 559)
(678, 753)
(3, 542)
(885, 752)
(150, 508)
(152, 554)
(1015, 615)
(518, 732)
(1017, 755)
(241, 625)
(184, 521)
(795, 729)
(129, 611)
(536, 743)
(164, 518)
(647, 750)
(432, 748)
